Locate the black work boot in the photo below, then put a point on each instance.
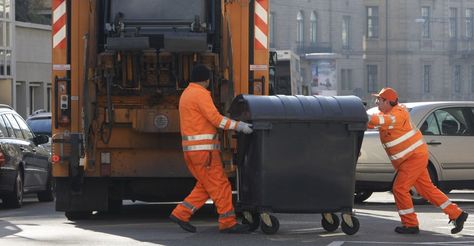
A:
(407, 229)
(183, 224)
(459, 223)
(237, 228)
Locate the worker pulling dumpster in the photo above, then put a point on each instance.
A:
(199, 119)
(408, 153)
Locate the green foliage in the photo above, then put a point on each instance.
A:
(27, 11)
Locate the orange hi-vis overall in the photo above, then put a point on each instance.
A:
(199, 119)
(408, 153)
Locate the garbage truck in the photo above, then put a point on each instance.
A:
(119, 68)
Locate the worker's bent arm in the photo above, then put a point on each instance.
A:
(386, 120)
(209, 111)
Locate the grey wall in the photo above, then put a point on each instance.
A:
(33, 65)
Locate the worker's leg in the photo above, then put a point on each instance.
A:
(193, 202)
(408, 173)
(425, 187)
(220, 190)
(206, 166)
(198, 195)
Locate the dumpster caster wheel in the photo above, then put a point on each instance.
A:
(269, 224)
(251, 219)
(350, 224)
(330, 222)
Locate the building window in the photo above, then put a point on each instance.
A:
(346, 34)
(426, 16)
(2, 9)
(453, 12)
(48, 97)
(36, 96)
(2, 62)
(457, 78)
(346, 79)
(7, 9)
(371, 78)
(272, 29)
(472, 78)
(2, 28)
(373, 22)
(8, 62)
(427, 78)
(314, 28)
(469, 22)
(299, 29)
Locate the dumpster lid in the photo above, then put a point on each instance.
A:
(298, 108)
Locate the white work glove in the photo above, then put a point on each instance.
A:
(244, 127)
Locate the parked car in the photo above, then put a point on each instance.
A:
(40, 123)
(24, 161)
(448, 129)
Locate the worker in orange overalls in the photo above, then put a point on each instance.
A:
(408, 153)
(199, 119)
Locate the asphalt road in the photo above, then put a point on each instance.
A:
(147, 224)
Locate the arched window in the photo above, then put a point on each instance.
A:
(314, 28)
(299, 28)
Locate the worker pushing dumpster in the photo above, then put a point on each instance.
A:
(301, 158)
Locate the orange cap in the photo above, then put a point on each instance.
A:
(387, 94)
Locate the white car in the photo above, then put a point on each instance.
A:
(448, 129)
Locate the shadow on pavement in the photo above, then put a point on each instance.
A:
(150, 223)
(7, 229)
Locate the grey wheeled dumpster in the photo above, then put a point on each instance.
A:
(301, 158)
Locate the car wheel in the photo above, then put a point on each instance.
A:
(48, 194)
(415, 196)
(361, 196)
(15, 198)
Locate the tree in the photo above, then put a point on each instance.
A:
(21, 12)
(27, 11)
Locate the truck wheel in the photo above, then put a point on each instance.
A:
(361, 196)
(350, 224)
(330, 222)
(15, 198)
(78, 215)
(114, 206)
(48, 194)
(270, 229)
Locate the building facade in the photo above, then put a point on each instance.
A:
(25, 62)
(33, 68)
(324, 34)
(7, 58)
(422, 48)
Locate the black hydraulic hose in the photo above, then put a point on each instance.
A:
(109, 124)
(85, 92)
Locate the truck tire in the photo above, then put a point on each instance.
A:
(361, 196)
(78, 215)
(114, 206)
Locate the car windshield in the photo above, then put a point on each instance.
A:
(41, 126)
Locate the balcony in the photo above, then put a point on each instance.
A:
(313, 48)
